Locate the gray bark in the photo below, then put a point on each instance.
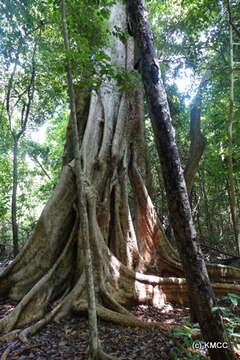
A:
(198, 142)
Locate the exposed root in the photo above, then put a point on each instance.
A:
(110, 301)
(223, 273)
(9, 322)
(69, 299)
(103, 356)
(22, 335)
(31, 330)
(9, 337)
(117, 318)
(144, 285)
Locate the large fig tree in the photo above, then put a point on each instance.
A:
(130, 254)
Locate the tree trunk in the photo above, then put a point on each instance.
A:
(198, 141)
(231, 181)
(14, 196)
(208, 218)
(200, 291)
(129, 250)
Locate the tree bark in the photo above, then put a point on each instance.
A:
(198, 141)
(231, 181)
(14, 196)
(200, 291)
(208, 219)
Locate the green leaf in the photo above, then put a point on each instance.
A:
(234, 298)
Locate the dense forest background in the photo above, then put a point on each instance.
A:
(198, 58)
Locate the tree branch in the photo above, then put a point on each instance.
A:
(41, 166)
(30, 93)
(9, 90)
(231, 22)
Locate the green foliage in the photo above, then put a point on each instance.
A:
(185, 349)
(54, 145)
(194, 36)
(39, 167)
(123, 35)
(27, 98)
(127, 80)
(228, 306)
(5, 178)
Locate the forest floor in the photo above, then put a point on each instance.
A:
(68, 339)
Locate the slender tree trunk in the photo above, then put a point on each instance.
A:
(231, 181)
(199, 225)
(198, 141)
(16, 134)
(200, 291)
(208, 219)
(41, 167)
(233, 208)
(14, 196)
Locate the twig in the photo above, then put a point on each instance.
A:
(231, 22)
(6, 352)
(26, 348)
